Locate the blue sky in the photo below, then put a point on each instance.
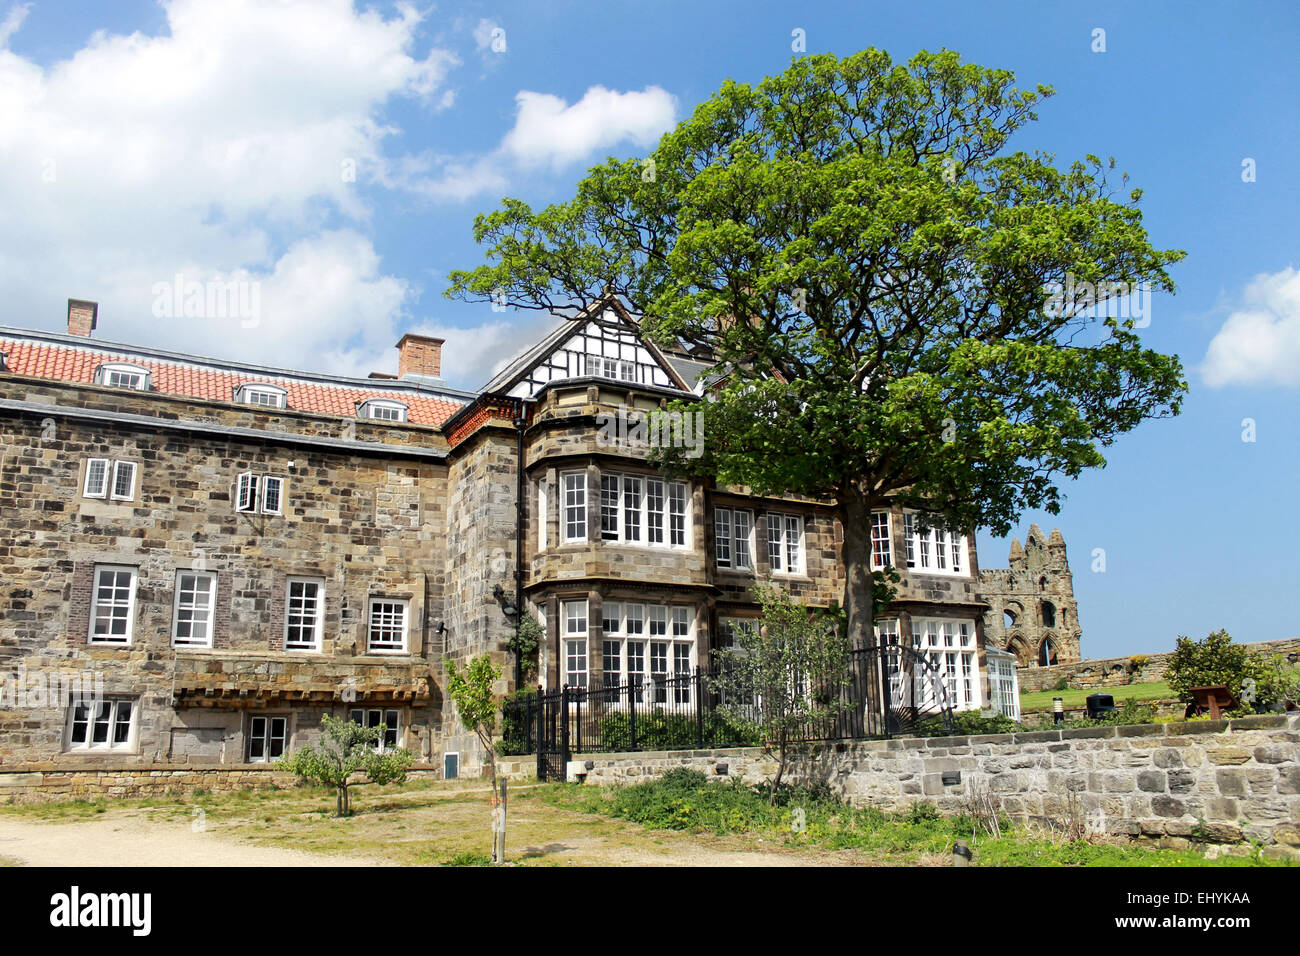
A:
(211, 139)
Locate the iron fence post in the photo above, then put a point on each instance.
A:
(564, 732)
(699, 711)
(631, 715)
(541, 767)
(884, 685)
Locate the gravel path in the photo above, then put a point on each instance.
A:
(122, 841)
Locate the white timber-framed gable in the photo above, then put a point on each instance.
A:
(605, 342)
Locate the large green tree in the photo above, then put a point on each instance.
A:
(874, 269)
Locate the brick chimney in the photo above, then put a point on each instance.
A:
(419, 355)
(81, 316)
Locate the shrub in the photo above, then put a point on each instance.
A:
(657, 730)
(967, 723)
(1204, 663)
(1062, 684)
(516, 718)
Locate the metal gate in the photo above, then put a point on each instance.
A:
(552, 738)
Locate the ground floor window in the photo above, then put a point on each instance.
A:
(102, 725)
(647, 647)
(267, 738)
(949, 645)
(373, 717)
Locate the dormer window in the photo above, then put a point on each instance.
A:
(382, 409)
(268, 396)
(120, 375)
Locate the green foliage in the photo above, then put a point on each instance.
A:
(1204, 663)
(515, 739)
(466, 858)
(1062, 684)
(525, 642)
(1277, 681)
(683, 799)
(345, 749)
(476, 703)
(967, 723)
(657, 730)
(785, 674)
(873, 266)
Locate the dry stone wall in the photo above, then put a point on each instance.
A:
(1220, 782)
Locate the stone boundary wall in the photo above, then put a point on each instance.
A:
(1114, 671)
(1218, 782)
(129, 782)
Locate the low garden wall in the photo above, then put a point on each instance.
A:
(1218, 782)
(39, 785)
(1114, 671)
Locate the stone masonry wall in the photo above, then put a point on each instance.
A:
(1209, 781)
(1114, 671)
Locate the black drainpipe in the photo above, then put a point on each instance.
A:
(519, 423)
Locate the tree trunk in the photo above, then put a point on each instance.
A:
(780, 769)
(855, 516)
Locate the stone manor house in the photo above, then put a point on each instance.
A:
(221, 552)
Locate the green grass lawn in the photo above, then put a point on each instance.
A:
(1158, 690)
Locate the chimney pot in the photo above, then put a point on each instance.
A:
(81, 316)
(419, 355)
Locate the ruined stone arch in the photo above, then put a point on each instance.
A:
(1047, 651)
(1017, 646)
(1048, 612)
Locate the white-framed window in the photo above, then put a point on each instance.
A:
(575, 506)
(109, 479)
(246, 492)
(268, 736)
(106, 724)
(383, 409)
(733, 531)
(272, 494)
(123, 488)
(641, 509)
(785, 543)
(542, 516)
(881, 544)
(112, 605)
(262, 393)
(121, 375)
(192, 616)
(387, 630)
(575, 644)
(934, 550)
(304, 613)
(389, 718)
(606, 367)
(950, 647)
(259, 493)
(653, 639)
(96, 483)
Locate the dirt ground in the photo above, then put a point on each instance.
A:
(420, 824)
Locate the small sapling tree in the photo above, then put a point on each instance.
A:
(346, 749)
(784, 675)
(472, 692)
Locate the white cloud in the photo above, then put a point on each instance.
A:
(1259, 344)
(12, 22)
(473, 354)
(485, 33)
(219, 147)
(549, 130)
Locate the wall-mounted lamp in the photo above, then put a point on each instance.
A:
(507, 606)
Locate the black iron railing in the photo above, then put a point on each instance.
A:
(887, 691)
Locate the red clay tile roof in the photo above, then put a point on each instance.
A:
(68, 364)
